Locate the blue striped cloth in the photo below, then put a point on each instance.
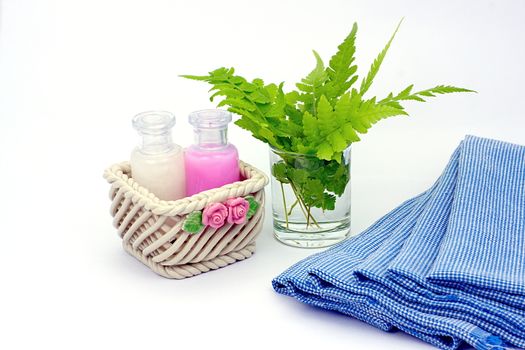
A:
(447, 266)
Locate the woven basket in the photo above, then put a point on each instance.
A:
(151, 229)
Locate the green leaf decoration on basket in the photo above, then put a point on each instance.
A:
(253, 206)
(193, 223)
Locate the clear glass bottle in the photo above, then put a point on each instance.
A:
(211, 162)
(158, 163)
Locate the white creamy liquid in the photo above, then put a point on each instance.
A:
(162, 174)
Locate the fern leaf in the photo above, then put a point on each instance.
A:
(289, 130)
(406, 94)
(443, 89)
(313, 82)
(414, 98)
(340, 70)
(370, 112)
(333, 129)
(426, 93)
(258, 82)
(247, 87)
(337, 141)
(374, 68)
(310, 128)
(318, 75)
(294, 115)
(223, 85)
(237, 103)
(196, 77)
(325, 151)
(343, 108)
(237, 80)
(320, 118)
(268, 135)
(325, 117)
(349, 133)
(222, 73)
(278, 103)
(259, 96)
(292, 97)
(227, 91)
(247, 122)
(342, 112)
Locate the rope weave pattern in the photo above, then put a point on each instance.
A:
(151, 229)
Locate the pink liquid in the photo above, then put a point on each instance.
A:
(207, 169)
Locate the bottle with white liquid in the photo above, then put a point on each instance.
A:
(158, 163)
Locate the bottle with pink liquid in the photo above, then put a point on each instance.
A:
(211, 162)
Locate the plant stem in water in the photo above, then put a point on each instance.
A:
(304, 208)
(308, 217)
(312, 217)
(293, 206)
(284, 203)
(301, 203)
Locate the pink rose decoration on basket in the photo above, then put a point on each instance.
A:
(237, 210)
(215, 215)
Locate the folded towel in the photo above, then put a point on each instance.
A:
(447, 266)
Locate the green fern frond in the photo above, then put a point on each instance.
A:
(340, 70)
(406, 94)
(442, 89)
(321, 118)
(369, 112)
(316, 78)
(312, 86)
(374, 68)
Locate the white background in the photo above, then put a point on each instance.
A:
(73, 73)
